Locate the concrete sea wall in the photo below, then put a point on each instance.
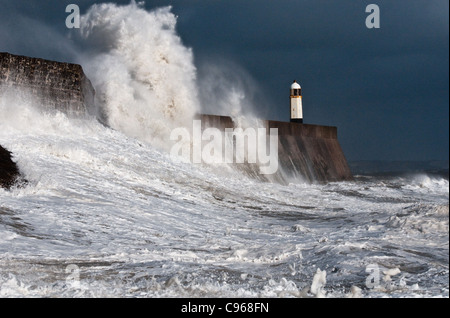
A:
(308, 152)
(54, 85)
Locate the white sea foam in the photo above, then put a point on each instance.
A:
(135, 223)
(144, 77)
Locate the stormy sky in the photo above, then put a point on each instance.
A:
(386, 89)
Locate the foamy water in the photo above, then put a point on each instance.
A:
(107, 212)
(136, 223)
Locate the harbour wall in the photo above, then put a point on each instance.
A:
(53, 85)
(308, 152)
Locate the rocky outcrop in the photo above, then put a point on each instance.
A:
(54, 85)
(9, 173)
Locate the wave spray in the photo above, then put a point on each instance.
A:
(145, 78)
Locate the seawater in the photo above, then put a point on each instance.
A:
(106, 211)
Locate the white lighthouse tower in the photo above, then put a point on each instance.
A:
(296, 103)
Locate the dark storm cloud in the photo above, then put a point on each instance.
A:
(386, 89)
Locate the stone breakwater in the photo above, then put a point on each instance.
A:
(53, 85)
(309, 152)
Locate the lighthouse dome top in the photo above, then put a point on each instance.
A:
(295, 85)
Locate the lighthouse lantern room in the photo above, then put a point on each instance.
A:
(296, 103)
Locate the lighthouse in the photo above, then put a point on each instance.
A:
(296, 103)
